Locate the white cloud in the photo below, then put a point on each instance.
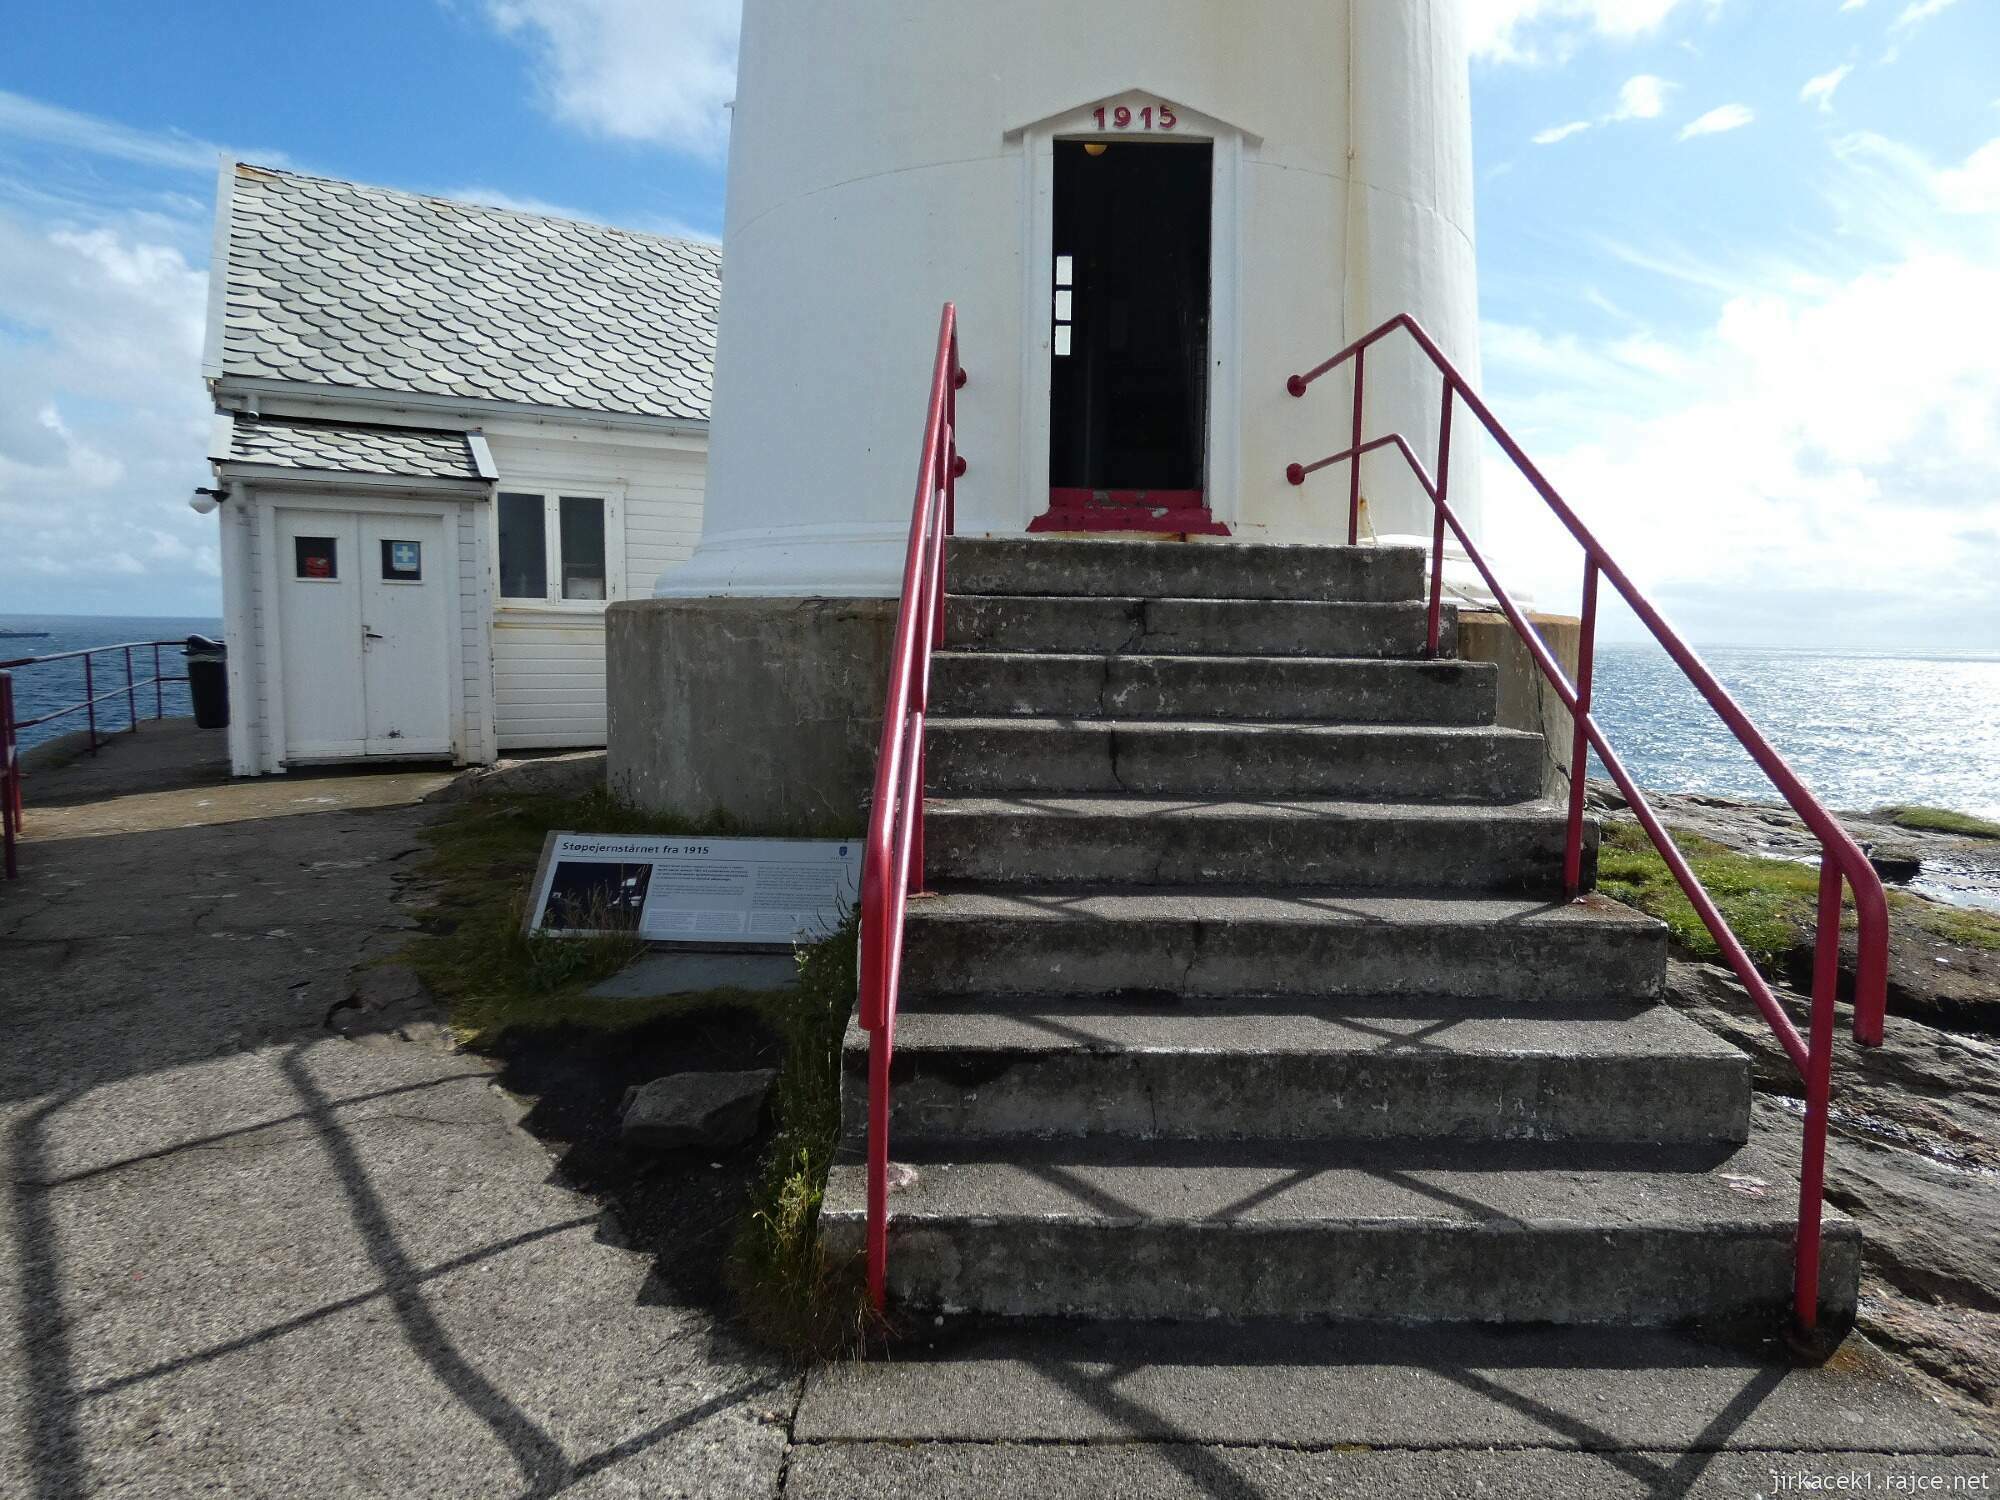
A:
(659, 71)
(1560, 132)
(1535, 30)
(1919, 12)
(1642, 98)
(103, 420)
(1975, 187)
(1820, 90)
(28, 119)
(1717, 121)
(1818, 460)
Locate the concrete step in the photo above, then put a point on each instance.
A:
(1310, 689)
(1134, 625)
(1360, 1392)
(1227, 942)
(979, 757)
(1173, 1468)
(980, 1069)
(1167, 841)
(1150, 569)
(1457, 1233)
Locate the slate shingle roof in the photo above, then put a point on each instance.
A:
(335, 284)
(403, 452)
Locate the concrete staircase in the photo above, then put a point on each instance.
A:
(1248, 990)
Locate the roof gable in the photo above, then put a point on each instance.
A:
(329, 283)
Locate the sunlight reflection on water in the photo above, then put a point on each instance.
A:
(1861, 730)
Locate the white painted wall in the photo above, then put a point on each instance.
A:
(548, 660)
(531, 677)
(888, 156)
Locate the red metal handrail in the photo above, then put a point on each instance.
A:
(10, 779)
(893, 865)
(1841, 859)
(10, 727)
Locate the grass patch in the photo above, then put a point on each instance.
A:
(1769, 903)
(494, 978)
(1954, 924)
(793, 1294)
(473, 952)
(1939, 820)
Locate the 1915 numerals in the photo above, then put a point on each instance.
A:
(1124, 117)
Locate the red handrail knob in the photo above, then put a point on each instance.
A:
(958, 466)
(1296, 473)
(1297, 386)
(958, 381)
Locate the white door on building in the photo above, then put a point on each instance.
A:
(367, 634)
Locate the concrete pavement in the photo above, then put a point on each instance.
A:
(239, 1255)
(1264, 1413)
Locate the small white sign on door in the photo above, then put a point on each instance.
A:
(738, 893)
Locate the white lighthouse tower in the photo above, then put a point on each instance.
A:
(1149, 212)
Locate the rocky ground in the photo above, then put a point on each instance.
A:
(1915, 1147)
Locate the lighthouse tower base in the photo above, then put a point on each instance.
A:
(764, 716)
(761, 714)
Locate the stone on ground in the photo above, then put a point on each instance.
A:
(696, 1109)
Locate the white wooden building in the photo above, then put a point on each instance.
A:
(447, 437)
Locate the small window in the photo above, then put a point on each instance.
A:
(582, 543)
(402, 562)
(524, 548)
(315, 557)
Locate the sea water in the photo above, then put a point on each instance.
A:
(50, 686)
(1863, 730)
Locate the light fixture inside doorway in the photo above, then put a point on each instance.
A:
(1096, 148)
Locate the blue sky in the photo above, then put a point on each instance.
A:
(1740, 267)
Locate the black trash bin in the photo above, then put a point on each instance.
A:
(208, 681)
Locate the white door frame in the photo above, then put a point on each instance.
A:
(1224, 444)
(272, 657)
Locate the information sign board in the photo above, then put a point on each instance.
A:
(737, 893)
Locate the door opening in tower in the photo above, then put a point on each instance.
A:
(1128, 418)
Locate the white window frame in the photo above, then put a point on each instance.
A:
(552, 494)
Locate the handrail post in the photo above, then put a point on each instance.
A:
(90, 699)
(925, 605)
(878, 1168)
(1579, 758)
(131, 697)
(10, 778)
(1819, 1086)
(1354, 474)
(159, 687)
(1438, 503)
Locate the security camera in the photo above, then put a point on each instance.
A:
(204, 502)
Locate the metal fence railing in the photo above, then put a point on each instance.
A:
(131, 690)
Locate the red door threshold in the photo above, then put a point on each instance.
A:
(1181, 512)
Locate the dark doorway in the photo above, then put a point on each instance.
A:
(1128, 418)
